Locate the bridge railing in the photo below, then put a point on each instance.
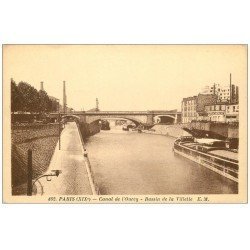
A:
(120, 113)
(126, 112)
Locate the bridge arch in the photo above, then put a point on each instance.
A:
(75, 117)
(164, 119)
(135, 121)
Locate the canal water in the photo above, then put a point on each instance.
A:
(127, 162)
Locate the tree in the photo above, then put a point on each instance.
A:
(30, 97)
(25, 97)
(44, 101)
(54, 105)
(16, 97)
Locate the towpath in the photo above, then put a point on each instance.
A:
(74, 179)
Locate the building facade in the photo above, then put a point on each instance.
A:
(216, 112)
(224, 93)
(188, 109)
(202, 101)
(221, 112)
(193, 108)
(232, 113)
(226, 107)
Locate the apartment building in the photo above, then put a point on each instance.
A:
(232, 113)
(216, 112)
(193, 108)
(221, 112)
(224, 93)
(188, 109)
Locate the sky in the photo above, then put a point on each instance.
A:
(125, 77)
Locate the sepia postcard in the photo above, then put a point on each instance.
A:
(125, 123)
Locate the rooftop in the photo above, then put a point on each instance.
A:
(189, 98)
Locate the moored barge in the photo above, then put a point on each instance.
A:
(209, 153)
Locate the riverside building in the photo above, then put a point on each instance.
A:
(217, 103)
(228, 93)
(216, 113)
(193, 108)
(221, 112)
(232, 113)
(188, 109)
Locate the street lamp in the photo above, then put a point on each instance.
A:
(47, 176)
(59, 125)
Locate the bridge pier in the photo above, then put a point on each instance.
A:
(150, 119)
(175, 119)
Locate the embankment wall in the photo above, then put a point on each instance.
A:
(174, 130)
(88, 129)
(42, 140)
(228, 130)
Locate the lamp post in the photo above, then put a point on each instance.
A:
(59, 130)
(30, 171)
(59, 126)
(48, 177)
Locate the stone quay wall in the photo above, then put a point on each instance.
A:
(174, 130)
(42, 140)
(88, 129)
(228, 130)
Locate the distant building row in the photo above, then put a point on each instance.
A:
(215, 103)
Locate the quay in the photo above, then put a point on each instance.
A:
(74, 178)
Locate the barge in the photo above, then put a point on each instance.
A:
(210, 153)
(105, 125)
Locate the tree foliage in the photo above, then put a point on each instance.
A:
(26, 98)
(16, 97)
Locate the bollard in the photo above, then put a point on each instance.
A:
(29, 173)
(85, 154)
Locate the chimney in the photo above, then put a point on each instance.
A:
(41, 86)
(97, 104)
(237, 94)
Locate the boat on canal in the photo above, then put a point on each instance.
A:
(210, 153)
(105, 125)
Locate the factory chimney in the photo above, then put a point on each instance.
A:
(41, 86)
(97, 105)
